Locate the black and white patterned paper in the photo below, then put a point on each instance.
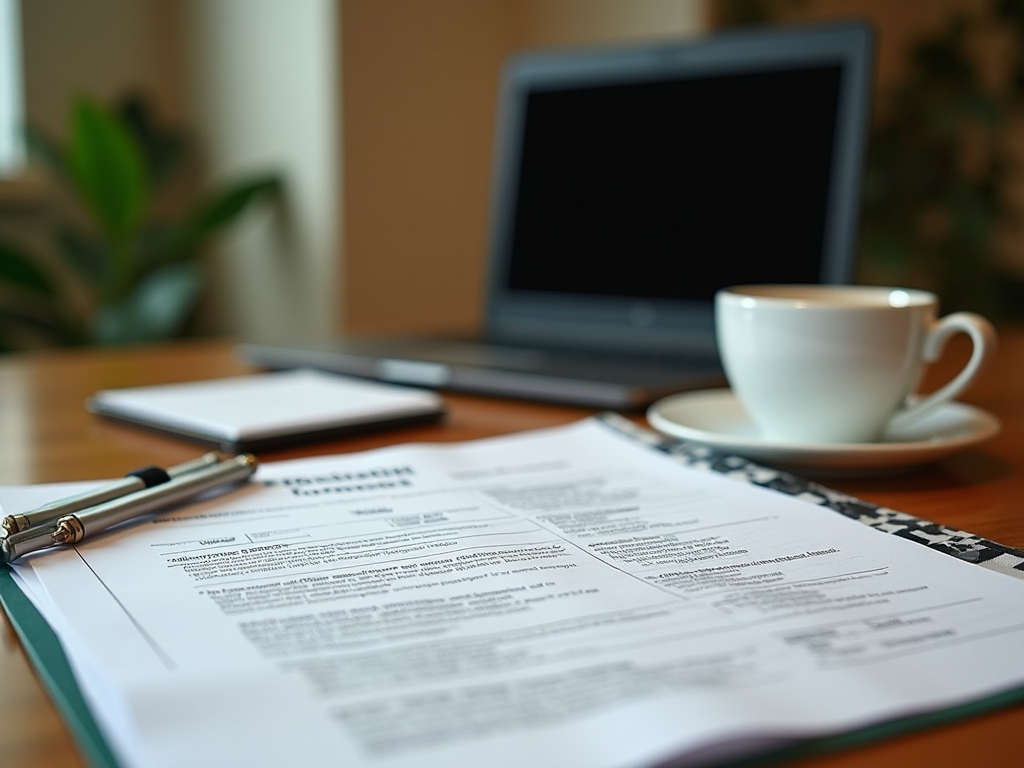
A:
(949, 541)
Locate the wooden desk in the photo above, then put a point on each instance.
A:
(46, 435)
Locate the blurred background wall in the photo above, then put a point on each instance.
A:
(379, 115)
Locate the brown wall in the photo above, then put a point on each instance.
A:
(418, 93)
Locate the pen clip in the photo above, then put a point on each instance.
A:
(14, 545)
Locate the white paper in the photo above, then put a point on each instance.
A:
(266, 404)
(564, 598)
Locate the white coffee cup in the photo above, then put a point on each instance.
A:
(838, 364)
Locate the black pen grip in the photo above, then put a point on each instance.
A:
(151, 475)
(175, 491)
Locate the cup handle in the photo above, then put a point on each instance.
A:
(983, 339)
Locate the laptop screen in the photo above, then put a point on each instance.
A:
(669, 179)
(633, 184)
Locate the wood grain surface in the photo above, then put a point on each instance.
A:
(46, 435)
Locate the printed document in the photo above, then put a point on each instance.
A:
(566, 597)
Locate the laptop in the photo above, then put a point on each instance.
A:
(629, 185)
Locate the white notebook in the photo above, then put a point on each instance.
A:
(268, 410)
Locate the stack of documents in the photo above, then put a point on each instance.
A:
(569, 597)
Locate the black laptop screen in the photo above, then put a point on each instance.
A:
(673, 189)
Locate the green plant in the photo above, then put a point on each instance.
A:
(121, 267)
(939, 168)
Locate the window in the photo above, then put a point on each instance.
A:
(11, 145)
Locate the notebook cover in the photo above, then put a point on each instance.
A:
(232, 413)
(274, 442)
(47, 656)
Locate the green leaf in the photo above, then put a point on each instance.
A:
(225, 206)
(218, 211)
(158, 309)
(106, 164)
(166, 298)
(84, 254)
(21, 271)
(157, 241)
(163, 149)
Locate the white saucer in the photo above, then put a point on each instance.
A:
(715, 418)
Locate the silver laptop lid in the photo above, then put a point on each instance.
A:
(632, 183)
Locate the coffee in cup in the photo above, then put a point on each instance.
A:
(838, 364)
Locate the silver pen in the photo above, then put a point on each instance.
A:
(72, 528)
(136, 480)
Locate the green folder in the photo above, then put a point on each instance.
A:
(47, 656)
